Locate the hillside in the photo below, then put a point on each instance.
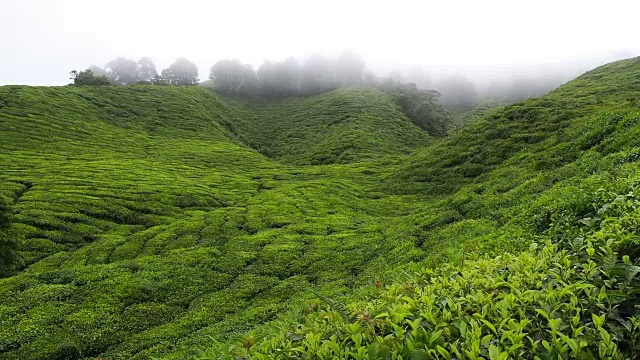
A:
(552, 181)
(146, 224)
(537, 134)
(340, 126)
(172, 223)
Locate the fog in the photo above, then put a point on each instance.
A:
(496, 45)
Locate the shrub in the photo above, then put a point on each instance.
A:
(572, 298)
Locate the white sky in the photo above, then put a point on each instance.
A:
(42, 40)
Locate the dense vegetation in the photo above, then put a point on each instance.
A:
(342, 126)
(316, 75)
(278, 80)
(573, 297)
(123, 71)
(147, 226)
(7, 241)
(171, 222)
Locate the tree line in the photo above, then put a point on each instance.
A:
(286, 78)
(123, 71)
(290, 77)
(276, 79)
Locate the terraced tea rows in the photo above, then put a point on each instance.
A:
(170, 222)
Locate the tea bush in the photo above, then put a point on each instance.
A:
(574, 297)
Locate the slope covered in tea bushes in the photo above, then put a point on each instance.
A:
(146, 224)
(532, 230)
(574, 294)
(340, 126)
(158, 222)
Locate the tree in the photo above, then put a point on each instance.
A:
(8, 243)
(421, 107)
(146, 71)
(279, 79)
(181, 73)
(317, 75)
(88, 78)
(232, 77)
(122, 71)
(249, 84)
(159, 80)
(97, 70)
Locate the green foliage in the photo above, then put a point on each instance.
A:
(122, 71)
(88, 78)
(575, 297)
(560, 171)
(150, 227)
(8, 243)
(422, 107)
(181, 73)
(146, 71)
(232, 77)
(170, 222)
(535, 135)
(343, 126)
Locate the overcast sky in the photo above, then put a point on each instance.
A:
(42, 40)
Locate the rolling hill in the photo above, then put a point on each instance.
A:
(531, 224)
(147, 223)
(173, 223)
(340, 126)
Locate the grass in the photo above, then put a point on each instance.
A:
(173, 223)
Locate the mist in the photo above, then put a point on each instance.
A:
(503, 50)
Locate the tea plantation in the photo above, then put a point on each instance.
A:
(163, 222)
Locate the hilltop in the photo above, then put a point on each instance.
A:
(175, 223)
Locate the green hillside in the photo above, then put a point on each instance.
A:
(341, 126)
(581, 117)
(160, 222)
(146, 225)
(559, 172)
